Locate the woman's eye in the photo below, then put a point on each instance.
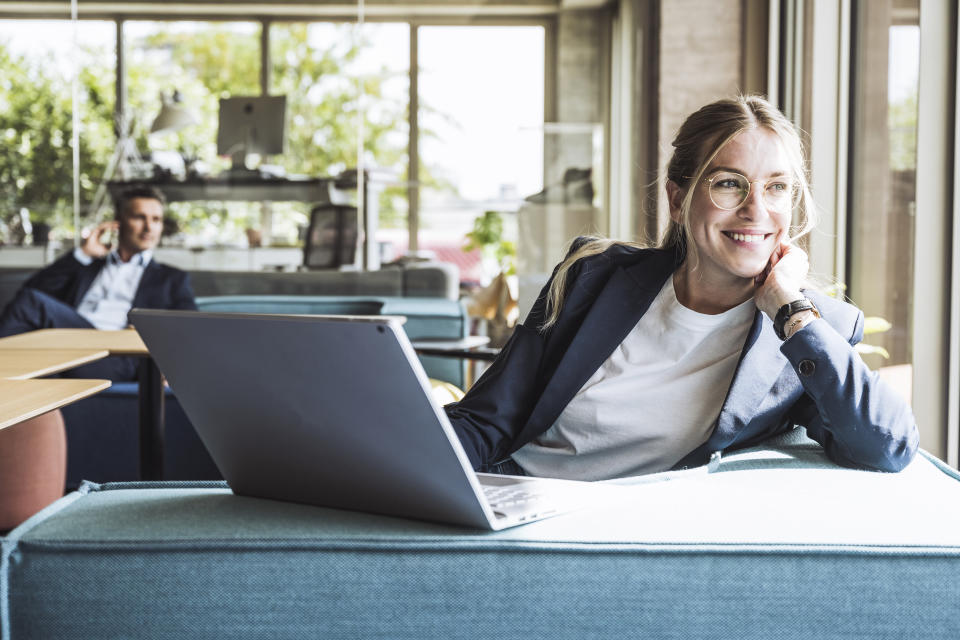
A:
(778, 187)
(728, 183)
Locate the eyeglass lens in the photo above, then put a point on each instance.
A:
(730, 190)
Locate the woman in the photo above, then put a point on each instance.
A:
(639, 360)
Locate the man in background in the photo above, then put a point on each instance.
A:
(96, 285)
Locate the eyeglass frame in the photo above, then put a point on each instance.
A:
(795, 188)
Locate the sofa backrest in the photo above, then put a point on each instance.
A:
(11, 279)
(426, 318)
(418, 280)
(388, 282)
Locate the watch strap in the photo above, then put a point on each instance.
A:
(789, 309)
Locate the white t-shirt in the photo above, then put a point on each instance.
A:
(654, 400)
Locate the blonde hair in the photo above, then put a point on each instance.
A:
(698, 141)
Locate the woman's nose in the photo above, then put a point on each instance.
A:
(754, 206)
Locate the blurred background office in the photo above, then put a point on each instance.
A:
(486, 135)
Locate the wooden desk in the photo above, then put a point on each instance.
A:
(21, 364)
(25, 399)
(259, 188)
(125, 342)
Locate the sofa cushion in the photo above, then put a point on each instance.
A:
(777, 543)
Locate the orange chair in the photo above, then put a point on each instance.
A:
(33, 467)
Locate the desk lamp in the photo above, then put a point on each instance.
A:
(172, 116)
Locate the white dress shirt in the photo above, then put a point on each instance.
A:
(110, 297)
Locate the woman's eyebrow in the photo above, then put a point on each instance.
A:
(773, 174)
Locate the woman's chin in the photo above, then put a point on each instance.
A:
(748, 272)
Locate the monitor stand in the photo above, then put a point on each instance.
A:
(238, 168)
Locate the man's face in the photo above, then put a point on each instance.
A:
(141, 223)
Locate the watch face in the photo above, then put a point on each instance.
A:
(788, 310)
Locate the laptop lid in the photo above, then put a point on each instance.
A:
(326, 410)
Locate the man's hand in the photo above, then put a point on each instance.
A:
(94, 245)
(787, 272)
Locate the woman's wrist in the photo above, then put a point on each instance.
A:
(770, 300)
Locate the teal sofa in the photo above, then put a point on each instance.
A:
(101, 431)
(775, 543)
(425, 318)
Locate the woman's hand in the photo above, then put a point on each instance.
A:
(781, 281)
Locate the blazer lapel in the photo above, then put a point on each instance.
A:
(620, 305)
(85, 277)
(760, 364)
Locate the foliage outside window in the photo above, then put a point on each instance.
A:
(329, 71)
(36, 157)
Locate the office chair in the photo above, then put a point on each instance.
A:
(332, 238)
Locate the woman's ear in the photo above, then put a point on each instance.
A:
(675, 196)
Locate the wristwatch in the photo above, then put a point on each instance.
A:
(789, 309)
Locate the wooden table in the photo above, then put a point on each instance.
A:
(25, 399)
(470, 348)
(22, 364)
(124, 342)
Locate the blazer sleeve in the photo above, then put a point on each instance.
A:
(492, 413)
(57, 279)
(854, 415)
(183, 297)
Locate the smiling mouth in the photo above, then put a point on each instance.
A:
(749, 238)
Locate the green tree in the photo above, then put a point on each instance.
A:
(902, 123)
(36, 158)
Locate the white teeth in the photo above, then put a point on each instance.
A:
(744, 237)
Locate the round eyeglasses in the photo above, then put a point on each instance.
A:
(729, 190)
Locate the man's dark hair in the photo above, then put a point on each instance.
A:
(139, 191)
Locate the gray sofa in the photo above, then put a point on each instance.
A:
(418, 280)
(777, 542)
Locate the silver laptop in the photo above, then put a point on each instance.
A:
(333, 411)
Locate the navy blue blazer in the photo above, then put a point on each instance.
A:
(814, 379)
(161, 287)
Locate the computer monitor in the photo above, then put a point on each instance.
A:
(251, 124)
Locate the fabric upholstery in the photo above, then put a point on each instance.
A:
(778, 542)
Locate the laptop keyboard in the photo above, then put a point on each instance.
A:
(501, 497)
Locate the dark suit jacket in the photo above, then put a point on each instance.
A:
(162, 286)
(814, 379)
